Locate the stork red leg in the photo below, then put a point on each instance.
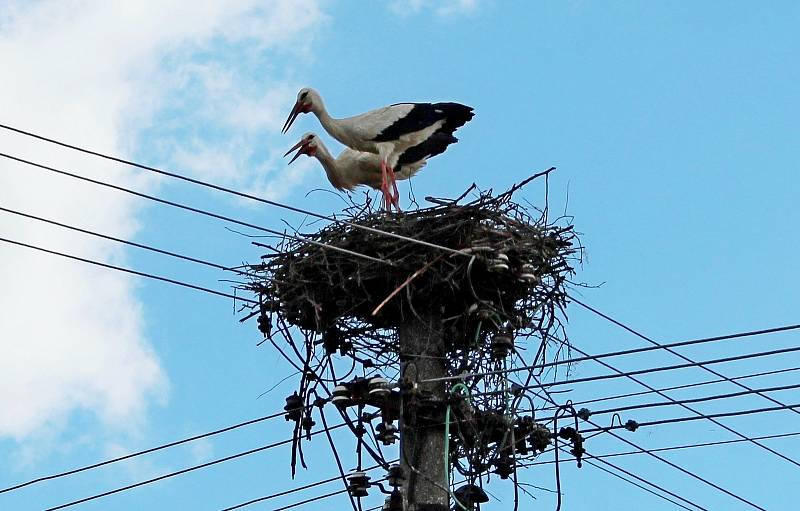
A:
(387, 196)
(396, 194)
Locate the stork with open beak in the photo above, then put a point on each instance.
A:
(387, 132)
(353, 168)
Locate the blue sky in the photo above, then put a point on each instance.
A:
(673, 126)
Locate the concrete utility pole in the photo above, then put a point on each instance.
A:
(422, 352)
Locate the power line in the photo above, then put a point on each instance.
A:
(704, 367)
(192, 209)
(724, 426)
(654, 485)
(312, 499)
(685, 471)
(294, 490)
(183, 471)
(622, 374)
(125, 242)
(677, 354)
(664, 460)
(696, 417)
(695, 400)
(676, 387)
(142, 452)
(128, 270)
(670, 448)
(231, 191)
(690, 342)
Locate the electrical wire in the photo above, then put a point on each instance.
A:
(700, 414)
(663, 460)
(128, 270)
(690, 342)
(628, 374)
(698, 417)
(142, 452)
(183, 471)
(293, 490)
(650, 483)
(670, 448)
(677, 354)
(312, 499)
(192, 209)
(685, 471)
(229, 190)
(676, 387)
(695, 399)
(654, 485)
(126, 242)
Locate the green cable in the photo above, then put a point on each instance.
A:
(447, 444)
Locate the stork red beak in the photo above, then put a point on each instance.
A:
(303, 149)
(296, 109)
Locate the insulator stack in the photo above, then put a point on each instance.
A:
(294, 407)
(527, 274)
(358, 484)
(498, 263)
(469, 495)
(340, 396)
(502, 344)
(379, 388)
(386, 433)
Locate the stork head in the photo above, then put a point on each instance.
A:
(307, 100)
(309, 145)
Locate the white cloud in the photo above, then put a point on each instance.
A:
(98, 73)
(440, 7)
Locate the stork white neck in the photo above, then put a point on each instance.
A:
(333, 126)
(328, 163)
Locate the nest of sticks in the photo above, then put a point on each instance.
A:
(490, 261)
(496, 271)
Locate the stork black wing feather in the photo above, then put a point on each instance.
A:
(436, 144)
(423, 115)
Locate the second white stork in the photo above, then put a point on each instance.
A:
(387, 131)
(353, 168)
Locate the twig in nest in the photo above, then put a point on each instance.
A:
(404, 284)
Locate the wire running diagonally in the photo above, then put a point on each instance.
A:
(128, 270)
(695, 411)
(670, 448)
(124, 242)
(293, 490)
(227, 190)
(677, 354)
(620, 374)
(182, 471)
(654, 485)
(142, 452)
(702, 399)
(716, 373)
(677, 387)
(690, 342)
(190, 208)
(664, 460)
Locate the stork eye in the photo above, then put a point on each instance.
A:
(303, 94)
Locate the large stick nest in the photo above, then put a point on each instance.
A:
(494, 270)
(509, 272)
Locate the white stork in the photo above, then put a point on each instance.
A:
(353, 168)
(387, 131)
